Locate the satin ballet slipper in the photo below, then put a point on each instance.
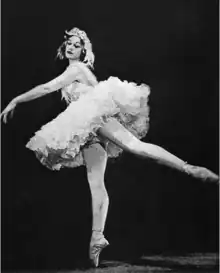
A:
(96, 246)
(201, 173)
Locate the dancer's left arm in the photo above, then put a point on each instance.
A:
(59, 82)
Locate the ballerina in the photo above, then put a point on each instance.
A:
(101, 120)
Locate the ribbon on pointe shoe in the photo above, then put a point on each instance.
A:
(201, 173)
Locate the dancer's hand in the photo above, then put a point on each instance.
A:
(201, 173)
(8, 110)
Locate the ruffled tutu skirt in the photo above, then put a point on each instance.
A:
(60, 142)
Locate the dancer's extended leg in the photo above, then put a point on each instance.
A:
(96, 158)
(118, 134)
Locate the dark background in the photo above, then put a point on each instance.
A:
(170, 45)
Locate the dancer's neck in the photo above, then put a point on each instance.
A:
(73, 61)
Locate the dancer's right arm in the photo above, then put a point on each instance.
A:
(59, 82)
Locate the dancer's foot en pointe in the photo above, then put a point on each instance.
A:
(201, 173)
(97, 244)
(120, 136)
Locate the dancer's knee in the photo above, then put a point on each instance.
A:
(95, 179)
(98, 189)
(135, 146)
(99, 196)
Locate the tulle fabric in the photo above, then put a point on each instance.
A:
(60, 142)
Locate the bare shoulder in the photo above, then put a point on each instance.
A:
(86, 71)
(82, 67)
(79, 68)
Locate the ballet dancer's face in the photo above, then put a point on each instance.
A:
(73, 48)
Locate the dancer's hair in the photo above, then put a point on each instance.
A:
(87, 55)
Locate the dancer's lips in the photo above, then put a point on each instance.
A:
(69, 52)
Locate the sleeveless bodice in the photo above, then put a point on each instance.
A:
(83, 80)
(69, 93)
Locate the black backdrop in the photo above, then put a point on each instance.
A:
(170, 45)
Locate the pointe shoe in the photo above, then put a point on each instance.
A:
(95, 250)
(201, 173)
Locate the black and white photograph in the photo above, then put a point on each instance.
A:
(110, 136)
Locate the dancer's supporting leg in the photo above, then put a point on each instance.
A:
(118, 134)
(96, 158)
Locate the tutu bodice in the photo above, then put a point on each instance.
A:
(72, 92)
(91, 104)
(80, 85)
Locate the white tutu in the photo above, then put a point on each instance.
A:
(60, 142)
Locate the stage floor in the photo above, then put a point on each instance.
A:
(197, 262)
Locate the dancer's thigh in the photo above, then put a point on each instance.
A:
(119, 135)
(95, 158)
